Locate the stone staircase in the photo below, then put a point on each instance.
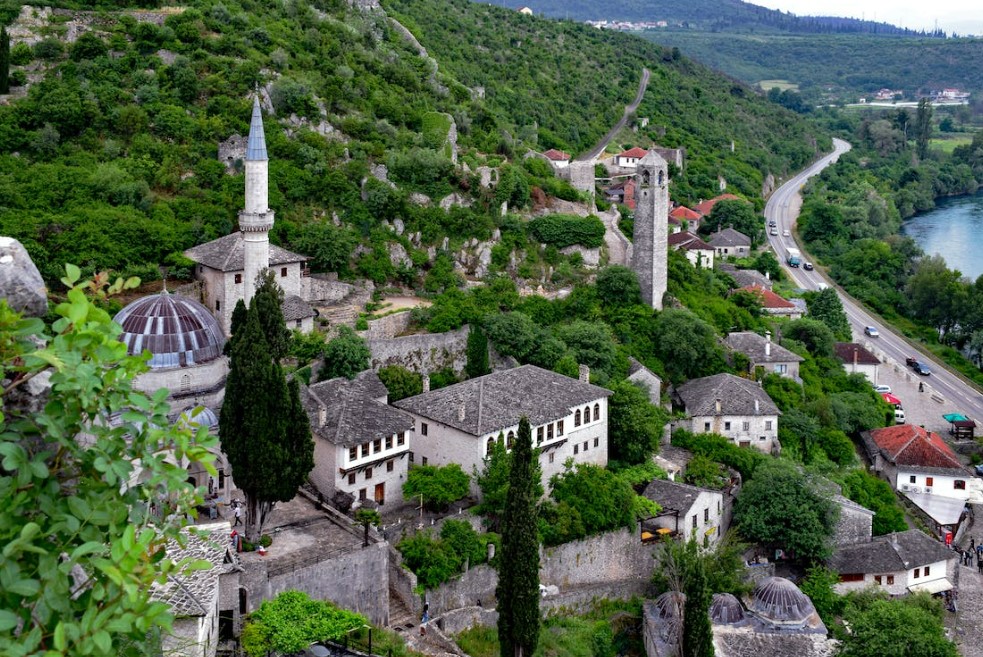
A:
(401, 618)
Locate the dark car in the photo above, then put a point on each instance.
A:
(911, 361)
(979, 469)
(921, 368)
(772, 223)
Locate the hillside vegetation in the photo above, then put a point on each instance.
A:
(110, 158)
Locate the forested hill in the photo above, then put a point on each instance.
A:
(109, 146)
(712, 15)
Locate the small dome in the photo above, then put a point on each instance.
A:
(176, 330)
(670, 604)
(726, 609)
(781, 601)
(205, 417)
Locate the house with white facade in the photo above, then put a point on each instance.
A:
(643, 376)
(857, 359)
(687, 512)
(557, 158)
(900, 563)
(361, 444)
(460, 423)
(730, 242)
(698, 252)
(762, 352)
(732, 407)
(630, 157)
(775, 305)
(682, 218)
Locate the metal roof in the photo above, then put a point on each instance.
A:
(256, 146)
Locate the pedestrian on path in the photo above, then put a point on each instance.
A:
(979, 566)
(238, 515)
(972, 544)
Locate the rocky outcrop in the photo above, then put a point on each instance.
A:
(20, 281)
(398, 255)
(451, 200)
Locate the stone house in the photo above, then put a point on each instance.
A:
(205, 603)
(745, 277)
(683, 214)
(704, 208)
(698, 252)
(687, 512)
(361, 444)
(857, 359)
(774, 305)
(638, 373)
(732, 407)
(914, 460)
(630, 157)
(730, 242)
(764, 353)
(460, 423)
(899, 563)
(622, 192)
(557, 158)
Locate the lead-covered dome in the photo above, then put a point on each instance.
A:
(781, 601)
(726, 609)
(176, 330)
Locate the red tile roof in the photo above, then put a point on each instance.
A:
(555, 155)
(634, 152)
(909, 444)
(844, 351)
(705, 207)
(689, 241)
(768, 298)
(682, 212)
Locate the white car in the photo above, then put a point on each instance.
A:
(785, 233)
(872, 332)
(883, 389)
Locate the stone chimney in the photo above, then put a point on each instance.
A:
(717, 405)
(584, 373)
(460, 413)
(322, 416)
(757, 407)
(767, 344)
(426, 383)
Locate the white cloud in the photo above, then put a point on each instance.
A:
(962, 16)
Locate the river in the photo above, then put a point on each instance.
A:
(953, 230)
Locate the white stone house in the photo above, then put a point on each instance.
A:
(630, 157)
(460, 423)
(643, 376)
(899, 563)
(733, 407)
(857, 359)
(361, 444)
(762, 352)
(698, 252)
(687, 512)
(557, 158)
(730, 242)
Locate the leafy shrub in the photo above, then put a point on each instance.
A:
(292, 621)
(439, 485)
(562, 230)
(434, 560)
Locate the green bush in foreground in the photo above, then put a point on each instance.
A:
(562, 230)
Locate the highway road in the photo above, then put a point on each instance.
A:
(783, 208)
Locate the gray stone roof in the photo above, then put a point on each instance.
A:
(844, 352)
(353, 411)
(295, 308)
(890, 554)
(192, 594)
(256, 146)
(674, 496)
(496, 401)
(689, 242)
(225, 254)
(729, 237)
(753, 346)
(652, 159)
(634, 367)
(736, 396)
(745, 277)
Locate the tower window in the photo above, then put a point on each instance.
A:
(218, 305)
(238, 279)
(283, 272)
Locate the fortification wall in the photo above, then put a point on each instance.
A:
(423, 353)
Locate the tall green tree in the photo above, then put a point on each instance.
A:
(493, 481)
(910, 626)
(345, 355)
(235, 325)
(923, 127)
(265, 432)
(828, 309)
(518, 578)
(697, 632)
(269, 303)
(4, 61)
(635, 425)
(477, 352)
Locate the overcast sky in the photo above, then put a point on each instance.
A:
(962, 16)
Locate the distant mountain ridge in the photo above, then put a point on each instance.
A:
(712, 15)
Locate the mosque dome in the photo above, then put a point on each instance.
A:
(176, 330)
(726, 609)
(781, 601)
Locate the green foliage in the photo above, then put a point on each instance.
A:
(518, 576)
(400, 382)
(702, 472)
(687, 345)
(306, 347)
(911, 625)
(345, 355)
(587, 500)
(779, 510)
(825, 306)
(75, 508)
(439, 485)
(435, 560)
(815, 335)
(493, 481)
(563, 230)
(618, 286)
(878, 496)
(477, 354)
(634, 424)
(4, 60)
(291, 622)
(818, 585)
(720, 449)
(739, 215)
(697, 632)
(268, 300)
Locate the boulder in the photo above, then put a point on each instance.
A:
(20, 281)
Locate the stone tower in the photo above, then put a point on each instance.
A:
(256, 218)
(650, 247)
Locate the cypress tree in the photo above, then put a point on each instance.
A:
(238, 319)
(264, 431)
(4, 61)
(477, 364)
(269, 302)
(518, 577)
(697, 631)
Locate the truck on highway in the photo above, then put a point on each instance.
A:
(793, 258)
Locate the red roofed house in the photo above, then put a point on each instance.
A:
(857, 359)
(623, 192)
(559, 159)
(773, 304)
(704, 208)
(681, 214)
(918, 462)
(697, 251)
(630, 157)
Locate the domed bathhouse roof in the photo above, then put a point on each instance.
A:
(176, 330)
(205, 417)
(780, 601)
(726, 609)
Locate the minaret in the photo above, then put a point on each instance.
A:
(256, 218)
(650, 247)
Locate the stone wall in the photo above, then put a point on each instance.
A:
(357, 580)
(422, 353)
(455, 622)
(465, 591)
(618, 556)
(324, 287)
(582, 176)
(388, 327)
(402, 583)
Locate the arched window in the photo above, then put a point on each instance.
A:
(597, 412)
(662, 177)
(576, 418)
(586, 414)
(511, 440)
(491, 444)
(959, 484)
(645, 178)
